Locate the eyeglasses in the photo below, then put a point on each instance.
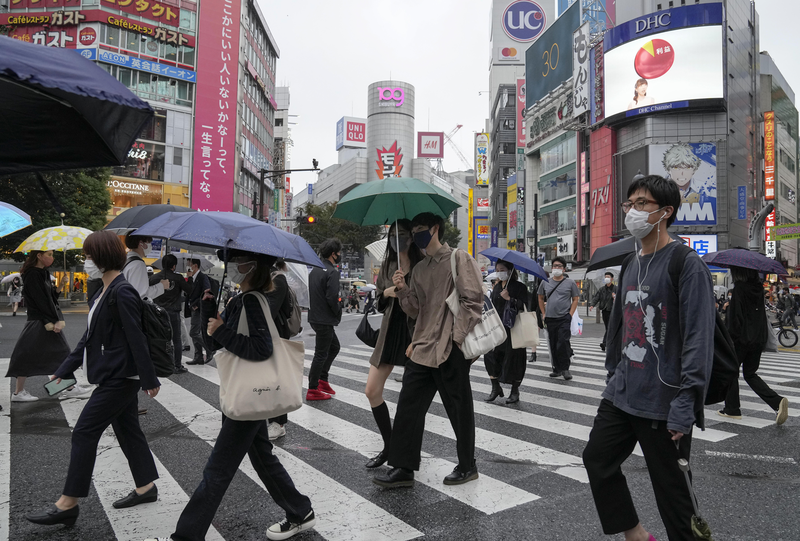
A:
(557, 267)
(638, 204)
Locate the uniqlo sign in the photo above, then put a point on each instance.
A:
(769, 156)
(215, 120)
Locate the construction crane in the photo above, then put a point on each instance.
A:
(448, 138)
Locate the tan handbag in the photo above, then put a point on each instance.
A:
(525, 332)
(254, 391)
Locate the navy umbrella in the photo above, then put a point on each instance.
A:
(739, 257)
(230, 230)
(615, 253)
(61, 111)
(519, 259)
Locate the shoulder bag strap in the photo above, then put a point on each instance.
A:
(273, 330)
(547, 298)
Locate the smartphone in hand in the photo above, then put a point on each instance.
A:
(54, 388)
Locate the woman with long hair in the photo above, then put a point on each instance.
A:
(640, 98)
(15, 294)
(115, 356)
(506, 364)
(747, 322)
(395, 334)
(239, 438)
(41, 346)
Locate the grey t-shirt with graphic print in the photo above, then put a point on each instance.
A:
(560, 301)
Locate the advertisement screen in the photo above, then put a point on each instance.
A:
(664, 71)
(693, 166)
(548, 62)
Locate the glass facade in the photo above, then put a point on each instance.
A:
(558, 154)
(557, 221)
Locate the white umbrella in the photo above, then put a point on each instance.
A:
(377, 249)
(8, 278)
(297, 278)
(369, 287)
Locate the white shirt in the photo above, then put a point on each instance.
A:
(89, 326)
(136, 273)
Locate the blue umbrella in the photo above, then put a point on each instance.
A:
(519, 259)
(739, 257)
(12, 219)
(61, 111)
(230, 230)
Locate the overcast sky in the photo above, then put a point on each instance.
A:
(332, 51)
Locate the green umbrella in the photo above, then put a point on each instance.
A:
(382, 202)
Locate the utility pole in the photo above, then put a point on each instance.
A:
(265, 173)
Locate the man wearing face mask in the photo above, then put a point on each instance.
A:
(558, 300)
(171, 302)
(324, 314)
(659, 354)
(135, 270)
(603, 300)
(200, 284)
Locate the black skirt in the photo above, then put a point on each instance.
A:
(38, 352)
(505, 362)
(397, 339)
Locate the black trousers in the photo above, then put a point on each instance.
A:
(750, 356)
(420, 384)
(611, 442)
(558, 334)
(175, 323)
(237, 438)
(325, 351)
(788, 318)
(114, 403)
(198, 334)
(606, 316)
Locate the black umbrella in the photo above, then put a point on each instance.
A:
(615, 253)
(61, 111)
(134, 218)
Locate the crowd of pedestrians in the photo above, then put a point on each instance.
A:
(655, 387)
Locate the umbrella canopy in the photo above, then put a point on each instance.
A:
(297, 278)
(8, 278)
(739, 257)
(377, 249)
(230, 230)
(520, 260)
(382, 202)
(134, 218)
(59, 238)
(64, 111)
(12, 219)
(615, 253)
(183, 262)
(368, 287)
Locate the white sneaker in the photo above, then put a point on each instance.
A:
(79, 391)
(23, 396)
(276, 431)
(286, 529)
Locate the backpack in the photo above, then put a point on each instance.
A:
(158, 330)
(725, 369)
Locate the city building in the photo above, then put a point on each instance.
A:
(280, 213)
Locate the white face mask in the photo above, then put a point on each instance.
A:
(502, 276)
(558, 272)
(238, 277)
(636, 222)
(146, 246)
(92, 270)
(607, 280)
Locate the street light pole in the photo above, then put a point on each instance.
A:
(276, 173)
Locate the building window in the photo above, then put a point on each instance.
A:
(177, 157)
(278, 122)
(557, 221)
(558, 188)
(787, 161)
(558, 155)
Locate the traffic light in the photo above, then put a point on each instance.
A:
(306, 220)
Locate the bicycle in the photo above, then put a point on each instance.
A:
(787, 336)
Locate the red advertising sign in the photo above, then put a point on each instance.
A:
(155, 11)
(87, 36)
(355, 132)
(215, 120)
(769, 157)
(521, 113)
(42, 4)
(389, 161)
(483, 203)
(769, 223)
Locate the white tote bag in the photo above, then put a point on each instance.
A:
(525, 332)
(258, 390)
(488, 333)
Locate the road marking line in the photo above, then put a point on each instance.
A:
(5, 452)
(761, 458)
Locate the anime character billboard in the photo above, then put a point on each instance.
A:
(693, 166)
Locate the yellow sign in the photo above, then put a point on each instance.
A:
(469, 224)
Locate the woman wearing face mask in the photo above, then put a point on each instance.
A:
(507, 365)
(41, 346)
(395, 333)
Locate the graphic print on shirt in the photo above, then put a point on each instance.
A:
(644, 327)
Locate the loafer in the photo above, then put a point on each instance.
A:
(567, 375)
(195, 362)
(394, 478)
(783, 411)
(53, 515)
(555, 373)
(378, 460)
(731, 415)
(180, 370)
(133, 499)
(459, 478)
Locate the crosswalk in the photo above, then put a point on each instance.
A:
(541, 437)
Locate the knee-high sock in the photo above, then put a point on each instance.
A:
(381, 414)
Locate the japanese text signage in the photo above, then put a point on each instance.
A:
(580, 70)
(598, 74)
(470, 226)
(389, 162)
(786, 232)
(769, 156)
(550, 117)
(41, 4)
(520, 113)
(481, 159)
(430, 144)
(149, 9)
(145, 65)
(741, 202)
(215, 121)
(483, 204)
(702, 244)
(768, 225)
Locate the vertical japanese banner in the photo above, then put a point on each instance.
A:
(580, 70)
(470, 231)
(215, 113)
(769, 156)
(481, 159)
(521, 113)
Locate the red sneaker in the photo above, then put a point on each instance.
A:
(325, 387)
(316, 394)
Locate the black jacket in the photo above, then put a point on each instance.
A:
(323, 293)
(114, 352)
(280, 304)
(171, 299)
(40, 296)
(604, 299)
(199, 283)
(255, 347)
(516, 290)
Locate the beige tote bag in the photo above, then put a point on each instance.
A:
(525, 332)
(254, 391)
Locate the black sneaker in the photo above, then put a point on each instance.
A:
(555, 373)
(567, 375)
(286, 529)
(180, 369)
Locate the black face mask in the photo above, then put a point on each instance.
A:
(337, 258)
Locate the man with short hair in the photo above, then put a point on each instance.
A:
(324, 314)
(659, 354)
(604, 300)
(558, 300)
(135, 270)
(788, 309)
(200, 284)
(171, 302)
(436, 362)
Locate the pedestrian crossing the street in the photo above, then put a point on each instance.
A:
(528, 453)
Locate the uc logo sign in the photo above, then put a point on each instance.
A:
(524, 20)
(396, 94)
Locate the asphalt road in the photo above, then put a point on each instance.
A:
(532, 483)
